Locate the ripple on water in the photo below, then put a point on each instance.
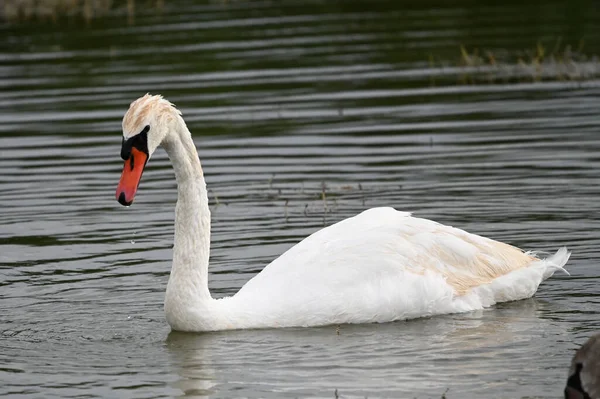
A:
(302, 115)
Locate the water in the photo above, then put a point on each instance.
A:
(303, 115)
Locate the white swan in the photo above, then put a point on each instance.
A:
(378, 266)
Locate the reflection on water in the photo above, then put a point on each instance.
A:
(192, 359)
(302, 115)
(415, 358)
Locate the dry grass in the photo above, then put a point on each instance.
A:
(557, 62)
(36, 10)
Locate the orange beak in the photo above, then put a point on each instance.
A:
(131, 176)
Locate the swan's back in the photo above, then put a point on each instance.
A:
(384, 265)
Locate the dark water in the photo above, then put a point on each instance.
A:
(303, 115)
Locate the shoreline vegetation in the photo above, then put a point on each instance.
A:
(562, 63)
(556, 61)
(52, 10)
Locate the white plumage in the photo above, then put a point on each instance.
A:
(379, 266)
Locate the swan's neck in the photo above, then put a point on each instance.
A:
(188, 282)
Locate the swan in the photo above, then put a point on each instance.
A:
(584, 374)
(381, 265)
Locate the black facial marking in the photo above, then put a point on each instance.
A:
(139, 142)
(574, 383)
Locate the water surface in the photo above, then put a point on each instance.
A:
(303, 115)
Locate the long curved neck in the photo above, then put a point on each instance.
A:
(188, 303)
(188, 283)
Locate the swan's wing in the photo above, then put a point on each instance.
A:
(384, 242)
(385, 265)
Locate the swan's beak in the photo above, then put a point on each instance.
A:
(131, 176)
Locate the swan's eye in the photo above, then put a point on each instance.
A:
(139, 141)
(145, 130)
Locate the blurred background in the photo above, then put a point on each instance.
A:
(477, 114)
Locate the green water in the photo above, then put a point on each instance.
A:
(369, 103)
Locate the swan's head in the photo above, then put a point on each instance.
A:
(145, 125)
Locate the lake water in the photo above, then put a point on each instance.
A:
(302, 115)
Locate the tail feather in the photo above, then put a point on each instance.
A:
(556, 262)
(524, 282)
